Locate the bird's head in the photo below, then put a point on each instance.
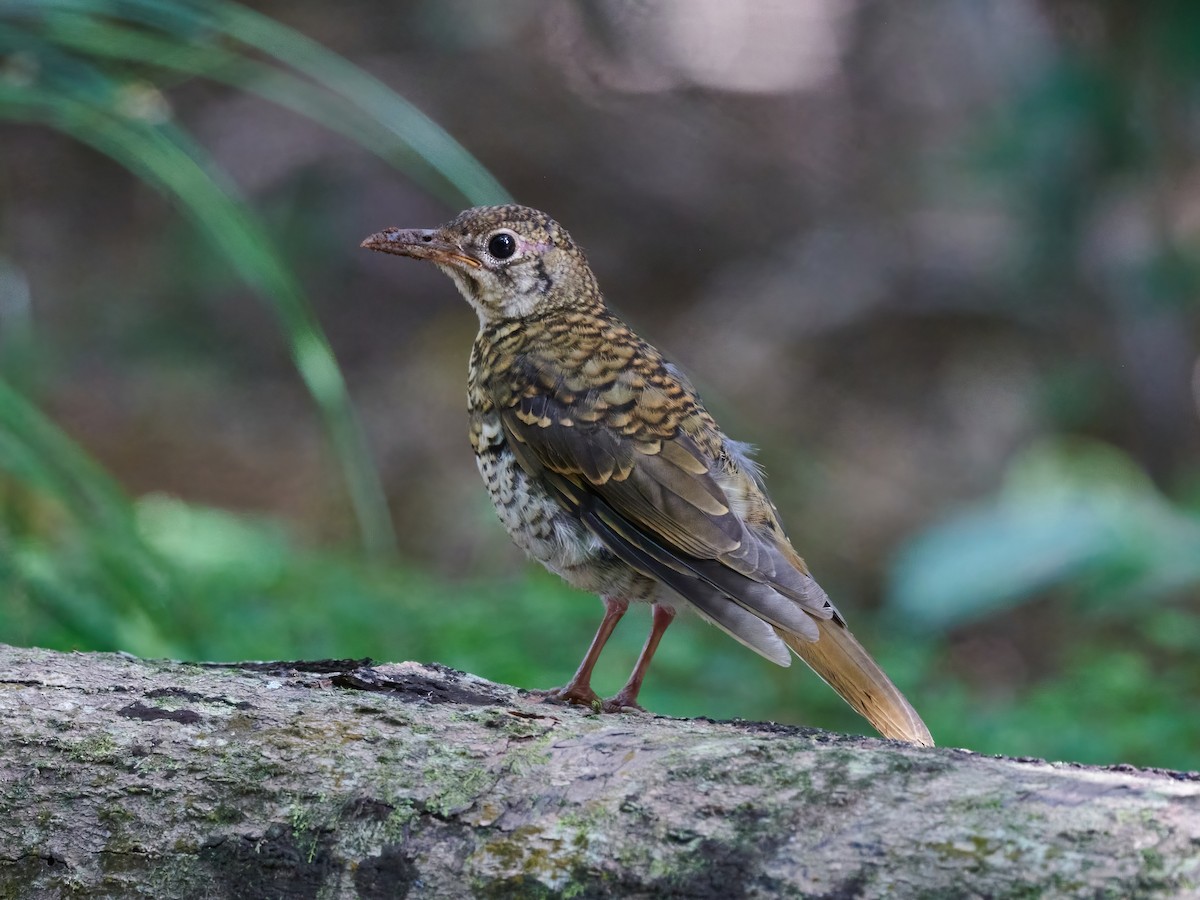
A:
(509, 262)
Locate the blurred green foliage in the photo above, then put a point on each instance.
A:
(1071, 514)
(92, 70)
(1079, 541)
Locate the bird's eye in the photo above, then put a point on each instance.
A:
(502, 245)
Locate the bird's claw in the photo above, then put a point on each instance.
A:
(572, 695)
(620, 702)
(577, 695)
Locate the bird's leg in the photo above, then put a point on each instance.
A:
(626, 698)
(579, 688)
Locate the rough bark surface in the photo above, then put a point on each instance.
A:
(122, 777)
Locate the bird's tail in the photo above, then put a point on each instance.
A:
(846, 667)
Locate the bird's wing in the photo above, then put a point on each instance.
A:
(638, 459)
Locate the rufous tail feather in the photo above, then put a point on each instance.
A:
(846, 667)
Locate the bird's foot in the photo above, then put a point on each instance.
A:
(622, 701)
(583, 695)
(573, 695)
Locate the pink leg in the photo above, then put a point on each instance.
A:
(626, 698)
(579, 689)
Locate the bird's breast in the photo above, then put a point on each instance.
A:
(542, 528)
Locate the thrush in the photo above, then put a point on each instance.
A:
(604, 466)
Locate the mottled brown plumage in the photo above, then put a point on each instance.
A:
(605, 467)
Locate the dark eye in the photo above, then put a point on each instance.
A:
(502, 245)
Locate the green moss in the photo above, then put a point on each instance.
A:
(516, 848)
(99, 748)
(582, 823)
(396, 824)
(224, 814)
(974, 847)
(475, 715)
(544, 863)
(121, 841)
(1152, 862)
(307, 827)
(516, 888)
(524, 758)
(458, 786)
(114, 815)
(240, 723)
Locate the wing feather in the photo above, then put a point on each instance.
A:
(657, 498)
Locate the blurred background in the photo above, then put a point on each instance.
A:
(938, 262)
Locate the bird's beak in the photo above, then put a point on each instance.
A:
(421, 243)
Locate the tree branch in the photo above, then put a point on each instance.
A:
(133, 778)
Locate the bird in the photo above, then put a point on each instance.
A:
(604, 466)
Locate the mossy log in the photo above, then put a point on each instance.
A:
(122, 777)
